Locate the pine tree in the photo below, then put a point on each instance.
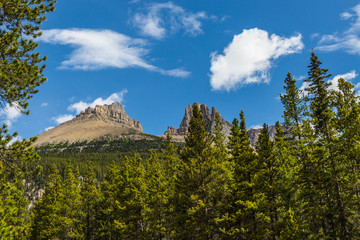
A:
(318, 95)
(158, 190)
(71, 206)
(198, 184)
(20, 70)
(241, 219)
(108, 211)
(47, 218)
(170, 162)
(19, 78)
(292, 101)
(130, 200)
(90, 196)
(13, 204)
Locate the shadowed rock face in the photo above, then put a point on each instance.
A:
(106, 121)
(179, 133)
(209, 117)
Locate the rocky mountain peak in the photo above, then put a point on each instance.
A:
(208, 116)
(113, 113)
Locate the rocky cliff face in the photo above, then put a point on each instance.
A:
(113, 113)
(209, 117)
(255, 132)
(179, 133)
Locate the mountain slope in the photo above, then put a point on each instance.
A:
(107, 121)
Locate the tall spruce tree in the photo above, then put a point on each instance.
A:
(90, 196)
(318, 96)
(267, 186)
(71, 205)
(47, 217)
(292, 101)
(198, 184)
(130, 200)
(241, 221)
(158, 190)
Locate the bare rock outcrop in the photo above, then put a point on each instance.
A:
(178, 133)
(208, 116)
(113, 113)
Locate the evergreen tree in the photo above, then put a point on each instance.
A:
(292, 101)
(198, 184)
(241, 219)
(13, 204)
(71, 211)
(19, 78)
(90, 196)
(130, 200)
(47, 218)
(318, 95)
(158, 190)
(108, 211)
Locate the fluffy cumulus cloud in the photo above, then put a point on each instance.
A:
(81, 106)
(99, 49)
(160, 18)
(10, 114)
(348, 40)
(248, 58)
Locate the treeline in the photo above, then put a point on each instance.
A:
(146, 144)
(302, 185)
(102, 153)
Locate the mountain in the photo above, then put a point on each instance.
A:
(178, 133)
(107, 121)
(111, 122)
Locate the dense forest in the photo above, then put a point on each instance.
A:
(304, 184)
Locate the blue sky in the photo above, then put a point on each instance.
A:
(157, 57)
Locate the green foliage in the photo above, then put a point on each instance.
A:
(19, 68)
(303, 184)
(199, 184)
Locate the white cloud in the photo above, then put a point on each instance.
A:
(48, 128)
(99, 49)
(248, 58)
(81, 106)
(10, 114)
(159, 18)
(45, 104)
(349, 40)
(345, 15)
(334, 81)
(62, 118)
(347, 76)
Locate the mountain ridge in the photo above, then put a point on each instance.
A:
(111, 122)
